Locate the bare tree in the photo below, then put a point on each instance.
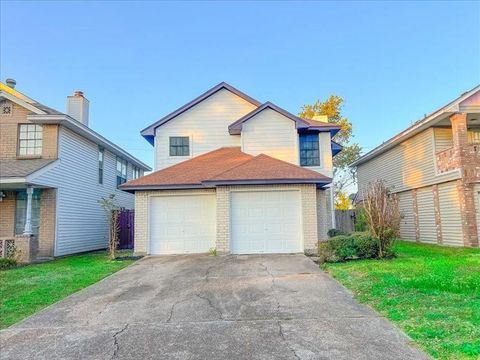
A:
(111, 208)
(382, 213)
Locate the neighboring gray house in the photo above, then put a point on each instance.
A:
(53, 170)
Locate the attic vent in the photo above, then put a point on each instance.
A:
(6, 108)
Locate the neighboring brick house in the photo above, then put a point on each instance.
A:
(53, 171)
(434, 167)
(235, 175)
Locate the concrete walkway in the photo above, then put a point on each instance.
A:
(203, 307)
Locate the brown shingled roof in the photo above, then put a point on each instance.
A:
(226, 165)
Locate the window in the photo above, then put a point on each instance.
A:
(101, 156)
(21, 211)
(136, 172)
(121, 171)
(474, 136)
(30, 140)
(179, 146)
(309, 150)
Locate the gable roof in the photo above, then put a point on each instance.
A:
(149, 132)
(418, 126)
(227, 165)
(21, 167)
(42, 114)
(303, 124)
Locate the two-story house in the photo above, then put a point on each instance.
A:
(434, 167)
(235, 175)
(53, 171)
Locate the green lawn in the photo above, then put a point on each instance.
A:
(431, 292)
(28, 289)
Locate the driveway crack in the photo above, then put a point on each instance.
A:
(210, 303)
(282, 335)
(115, 341)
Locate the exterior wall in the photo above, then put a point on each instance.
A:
(272, 134)
(407, 166)
(142, 213)
(46, 232)
(407, 224)
(323, 216)
(451, 218)
(7, 214)
(426, 215)
(81, 222)
(309, 213)
(9, 134)
(477, 206)
(206, 124)
(443, 139)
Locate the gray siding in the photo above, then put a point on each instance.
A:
(407, 224)
(407, 166)
(450, 214)
(426, 215)
(81, 223)
(443, 139)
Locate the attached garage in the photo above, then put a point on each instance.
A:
(266, 222)
(182, 224)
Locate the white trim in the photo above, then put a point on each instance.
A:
(87, 133)
(13, 180)
(21, 102)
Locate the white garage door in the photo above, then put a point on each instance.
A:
(266, 222)
(182, 224)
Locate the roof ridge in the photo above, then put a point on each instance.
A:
(233, 167)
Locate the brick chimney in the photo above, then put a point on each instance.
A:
(77, 107)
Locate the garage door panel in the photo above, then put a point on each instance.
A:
(182, 224)
(266, 222)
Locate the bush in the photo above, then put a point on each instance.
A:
(347, 247)
(334, 232)
(361, 220)
(7, 263)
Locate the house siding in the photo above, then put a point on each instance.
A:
(407, 224)
(426, 215)
(206, 124)
(272, 134)
(407, 166)
(81, 223)
(443, 139)
(450, 214)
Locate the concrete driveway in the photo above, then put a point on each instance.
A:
(203, 307)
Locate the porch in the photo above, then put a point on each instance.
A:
(27, 222)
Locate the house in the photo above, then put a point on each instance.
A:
(53, 170)
(236, 175)
(434, 167)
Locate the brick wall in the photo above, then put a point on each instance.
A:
(323, 220)
(46, 232)
(9, 134)
(7, 214)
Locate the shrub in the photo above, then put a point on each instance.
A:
(334, 232)
(346, 247)
(361, 220)
(7, 263)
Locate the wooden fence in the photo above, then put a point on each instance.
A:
(126, 229)
(345, 220)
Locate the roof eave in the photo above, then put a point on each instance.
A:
(161, 187)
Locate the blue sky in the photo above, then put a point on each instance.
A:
(137, 61)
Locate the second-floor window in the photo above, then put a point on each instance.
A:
(309, 150)
(179, 146)
(136, 172)
(30, 140)
(101, 156)
(121, 171)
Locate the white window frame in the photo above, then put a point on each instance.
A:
(30, 140)
(190, 147)
(122, 173)
(101, 164)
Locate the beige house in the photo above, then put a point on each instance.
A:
(53, 170)
(235, 175)
(434, 167)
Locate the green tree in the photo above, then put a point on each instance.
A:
(343, 174)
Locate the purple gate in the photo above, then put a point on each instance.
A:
(126, 229)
